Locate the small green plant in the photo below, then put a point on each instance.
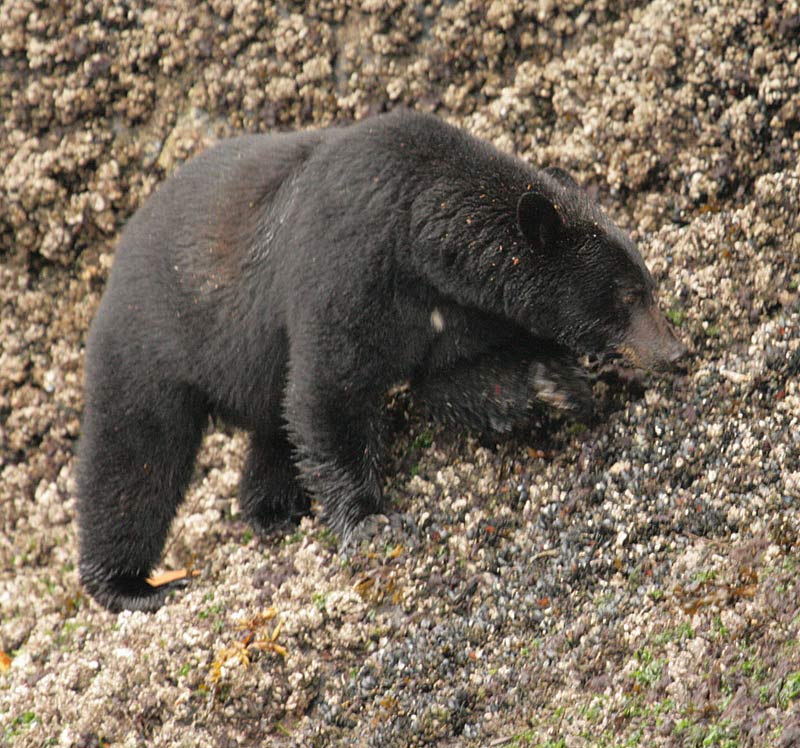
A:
(704, 576)
(593, 711)
(327, 538)
(790, 690)
(19, 723)
(67, 629)
(319, 600)
(678, 633)
(721, 736)
(295, 537)
(719, 629)
(635, 739)
(527, 739)
(604, 598)
(749, 667)
(676, 316)
(635, 577)
(423, 440)
(650, 671)
(523, 740)
(211, 610)
(633, 707)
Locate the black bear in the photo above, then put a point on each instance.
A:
(286, 282)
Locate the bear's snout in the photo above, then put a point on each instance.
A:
(650, 341)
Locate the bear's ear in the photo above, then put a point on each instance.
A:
(538, 220)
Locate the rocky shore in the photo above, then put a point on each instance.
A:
(627, 582)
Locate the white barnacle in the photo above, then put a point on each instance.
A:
(437, 320)
(547, 390)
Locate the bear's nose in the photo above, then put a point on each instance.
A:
(650, 342)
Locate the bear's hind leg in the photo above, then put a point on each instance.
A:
(135, 461)
(269, 492)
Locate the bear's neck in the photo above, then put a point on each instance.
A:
(470, 250)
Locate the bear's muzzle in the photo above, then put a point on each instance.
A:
(650, 341)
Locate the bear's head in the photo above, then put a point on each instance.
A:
(598, 292)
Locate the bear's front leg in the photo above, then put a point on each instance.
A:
(269, 494)
(498, 391)
(338, 439)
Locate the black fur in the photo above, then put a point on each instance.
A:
(285, 282)
(500, 391)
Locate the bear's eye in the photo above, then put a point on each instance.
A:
(631, 297)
